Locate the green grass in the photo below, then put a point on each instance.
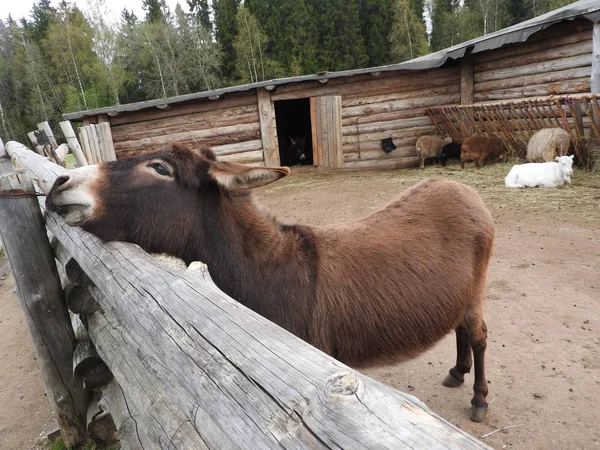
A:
(59, 444)
(70, 160)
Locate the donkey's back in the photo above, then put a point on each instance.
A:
(404, 276)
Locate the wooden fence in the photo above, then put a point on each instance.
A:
(174, 363)
(515, 122)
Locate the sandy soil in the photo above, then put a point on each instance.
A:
(26, 411)
(542, 311)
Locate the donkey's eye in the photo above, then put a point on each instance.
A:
(160, 169)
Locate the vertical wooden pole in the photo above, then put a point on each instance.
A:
(37, 147)
(45, 126)
(73, 143)
(85, 143)
(107, 148)
(266, 113)
(466, 80)
(38, 287)
(595, 78)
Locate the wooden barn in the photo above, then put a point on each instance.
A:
(508, 83)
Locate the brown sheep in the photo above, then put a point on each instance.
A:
(369, 292)
(480, 149)
(430, 147)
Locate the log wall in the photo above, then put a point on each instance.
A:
(229, 126)
(390, 104)
(554, 61)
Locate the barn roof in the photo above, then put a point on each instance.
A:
(520, 32)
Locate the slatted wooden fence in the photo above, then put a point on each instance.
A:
(515, 122)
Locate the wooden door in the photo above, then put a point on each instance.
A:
(326, 124)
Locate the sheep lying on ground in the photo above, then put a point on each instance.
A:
(480, 149)
(548, 174)
(430, 147)
(548, 143)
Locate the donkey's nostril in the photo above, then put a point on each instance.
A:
(62, 179)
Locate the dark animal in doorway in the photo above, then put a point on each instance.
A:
(298, 149)
(369, 292)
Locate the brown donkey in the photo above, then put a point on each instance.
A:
(375, 291)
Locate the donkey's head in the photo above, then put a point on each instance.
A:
(154, 200)
(298, 148)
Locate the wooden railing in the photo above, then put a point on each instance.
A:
(173, 362)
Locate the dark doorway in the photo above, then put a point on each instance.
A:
(293, 132)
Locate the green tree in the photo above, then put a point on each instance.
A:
(443, 24)
(156, 10)
(111, 75)
(249, 44)
(408, 37)
(341, 45)
(376, 18)
(75, 66)
(292, 35)
(41, 13)
(201, 9)
(198, 56)
(225, 25)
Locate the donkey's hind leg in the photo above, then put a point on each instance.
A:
(478, 337)
(456, 377)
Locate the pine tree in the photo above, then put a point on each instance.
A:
(201, 9)
(41, 13)
(341, 45)
(292, 33)
(442, 24)
(408, 38)
(418, 6)
(225, 12)
(376, 17)
(156, 10)
(520, 10)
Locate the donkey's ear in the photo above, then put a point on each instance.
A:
(240, 176)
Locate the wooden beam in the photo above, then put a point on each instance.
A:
(39, 290)
(466, 80)
(266, 114)
(218, 375)
(595, 78)
(73, 143)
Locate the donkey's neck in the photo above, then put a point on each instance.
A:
(267, 266)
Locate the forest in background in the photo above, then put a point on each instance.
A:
(63, 59)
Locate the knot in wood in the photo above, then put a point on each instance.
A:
(343, 383)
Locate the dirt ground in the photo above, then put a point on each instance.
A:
(542, 310)
(25, 411)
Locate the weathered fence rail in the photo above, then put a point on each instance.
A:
(194, 369)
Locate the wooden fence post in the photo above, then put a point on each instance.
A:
(36, 145)
(40, 293)
(73, 143)
(45, 127)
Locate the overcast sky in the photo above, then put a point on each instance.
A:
(22, 8)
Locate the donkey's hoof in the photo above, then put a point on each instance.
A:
(478, 413)
(451, 381)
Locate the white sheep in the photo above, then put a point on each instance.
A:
(548, 174)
